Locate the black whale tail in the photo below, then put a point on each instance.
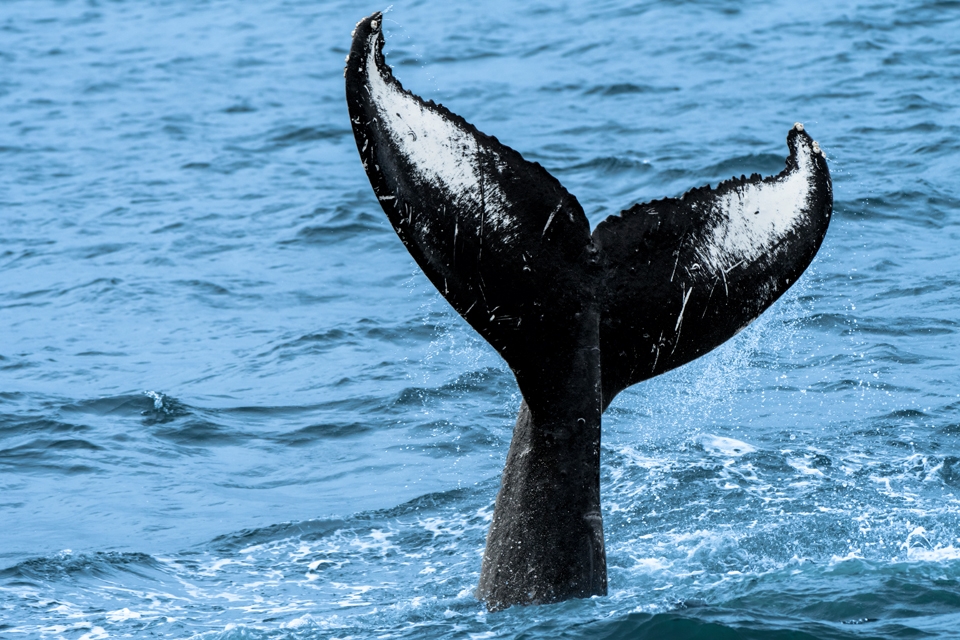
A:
(577, 316)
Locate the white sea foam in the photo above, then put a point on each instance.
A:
(937, 553)
(720, 445)
(123, 614)
(218, 564)
(804, 466)
(96, 633)
(650, 565)
(852, 554)
(299, 623)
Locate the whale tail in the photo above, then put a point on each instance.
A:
(578, 316)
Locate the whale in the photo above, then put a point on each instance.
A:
(577, 314)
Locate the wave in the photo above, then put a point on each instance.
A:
(621, 88)
(69, 566)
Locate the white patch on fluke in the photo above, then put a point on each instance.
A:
(756, 217)
(440, 152)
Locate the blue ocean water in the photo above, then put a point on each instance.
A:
(232, 407)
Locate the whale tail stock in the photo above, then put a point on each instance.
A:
(578, 316)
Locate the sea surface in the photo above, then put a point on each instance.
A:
(231, 406)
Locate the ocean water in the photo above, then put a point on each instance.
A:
(232, 407)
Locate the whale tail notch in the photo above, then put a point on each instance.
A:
(578, 316)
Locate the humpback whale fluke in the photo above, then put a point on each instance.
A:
(578, 316)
